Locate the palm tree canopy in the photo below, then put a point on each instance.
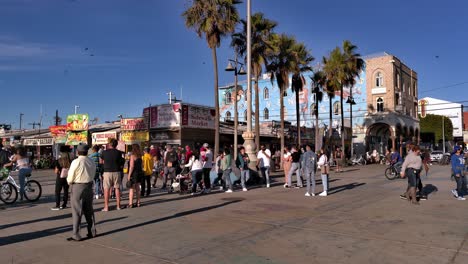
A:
(288, 56)
(354, 63)
(262, 29)
(212, 19)
(318, 81)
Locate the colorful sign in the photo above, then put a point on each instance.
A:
(77, 122)
(59, 133)
(132, 124)
(131, 137)
(422, 108)
(151, 114)
(76, 138)
(102, 138)
(168, 116)
(198, 117)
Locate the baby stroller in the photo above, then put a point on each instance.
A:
(183, 181)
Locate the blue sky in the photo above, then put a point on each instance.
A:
(114, 57)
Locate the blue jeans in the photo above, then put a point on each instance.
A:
(97, 186)
(195, 175)
(227, 178)
(243, 175)
(266, 174)
(22, 179)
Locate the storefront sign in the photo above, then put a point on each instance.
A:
(38, 141)
(59, 133)
(102, 138)
(151, 114)
(197, 117)
(76, 138)
(168, 116)
(77, 122)
(132, 124)
(132, 137)
(379, 90)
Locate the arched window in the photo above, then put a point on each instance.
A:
(380, 104)
(227, 98)
(336, 108)
(228, 116)
(379, 79)
(266, 114)
(245, 115)
(266, 93)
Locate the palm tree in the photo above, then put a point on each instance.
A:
(318, 82)
(330, 89)
(297, 82)
(288, 57)
(213, 19)
(262, 30)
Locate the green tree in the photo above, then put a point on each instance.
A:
(433, 124)
(261, 34)
(213, 19)
(318, 80)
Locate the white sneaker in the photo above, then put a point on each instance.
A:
(268, 185)
(221, 188)
(285, 186)
(323, 194)
(97, 196)
(308, 194)
(461, 198)
(229, 191)
(455, 193)
(244, 189)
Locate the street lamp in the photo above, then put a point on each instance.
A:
(236, 117)
(76, 107)
(351, 102)
(21, 120)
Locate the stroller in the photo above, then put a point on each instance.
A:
(182, 181)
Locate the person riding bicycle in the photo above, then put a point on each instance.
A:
(22, 163)
(396, 160)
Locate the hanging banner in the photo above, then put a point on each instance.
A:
(132, 124)
(77, 122)
(37, 141)
(151, 114)
(76, 138)
(102, 138)
(131, 137)
(59, 133)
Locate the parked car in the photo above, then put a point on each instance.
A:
(436, 155)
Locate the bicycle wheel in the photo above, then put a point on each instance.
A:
(8, 193)
(32, 190)
(391, 173)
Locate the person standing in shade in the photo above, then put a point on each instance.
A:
(458, 167)
(80, 178)
(295, 168)
(226, 163)
(242, 163)
(113, 163)
(97, 177)
(148, 165)
(61, 170)
(207, 166)
(338, 159)
(309, 163)
(324, 169)
(263, 162)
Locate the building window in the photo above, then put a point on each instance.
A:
(245, 115)
(266, 114)
(397, 98)
(397, 80)
(414, 89)
(379, 79)
(404, 87)
(380, 104)
(266, 93)
(227, 98)
(336, 108)
(228, 116)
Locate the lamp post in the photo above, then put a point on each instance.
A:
(351, 102)
(76, 107)
(236, 115)
(21, 120)
(248, 135)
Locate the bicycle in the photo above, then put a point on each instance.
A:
(392, 172)
(9, 188)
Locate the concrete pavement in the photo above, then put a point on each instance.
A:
(361, 221)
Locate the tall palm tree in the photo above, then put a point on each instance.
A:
(213, 19)
(330, 88)
(262, 30)
(297, 83)
(287, 58)
(317, 83)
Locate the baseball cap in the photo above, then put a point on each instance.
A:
(456, 148)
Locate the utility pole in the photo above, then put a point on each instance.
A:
(21, 120)
(56, 118)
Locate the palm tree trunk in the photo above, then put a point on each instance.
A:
(342, 122)
(298, 121)
(282, 120)
(216, 95)
(317, 131)
(257, 113)
(330, 128)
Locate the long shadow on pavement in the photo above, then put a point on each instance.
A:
(7, 240)
(176, 215)
(345, 187)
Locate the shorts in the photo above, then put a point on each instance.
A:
(111, 179)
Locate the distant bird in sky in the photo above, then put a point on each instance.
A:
(437, 56)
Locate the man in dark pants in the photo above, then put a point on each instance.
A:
(80, 178)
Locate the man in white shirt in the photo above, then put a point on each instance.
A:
(80, 178)
(263, 162)
(207, 166)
